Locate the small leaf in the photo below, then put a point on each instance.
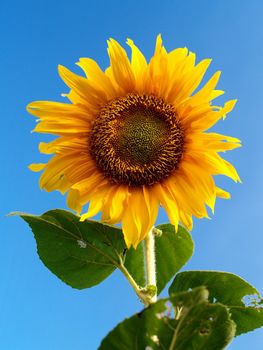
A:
(228, 289)
(173, 250)
(82, 254)
(199, 326)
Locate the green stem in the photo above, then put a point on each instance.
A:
(172, 345)
(138, 290)
(149, 244)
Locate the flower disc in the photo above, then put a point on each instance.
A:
(137, 140)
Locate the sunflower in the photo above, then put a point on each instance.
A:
(133, 138)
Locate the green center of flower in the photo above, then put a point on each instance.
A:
(137, 140)
(140, 137)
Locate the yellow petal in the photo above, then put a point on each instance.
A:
(228, 107)
(130, 230)
(118, 204)
(214, 164)
(60, 118)
(96, 203)
(73, 201)
(158, 44)
(193, 80)
(152, 205)
(176, 59)
(63, 128)
(216, 93)
(91, 184)
(82, 87)
(222, 194)
(157, 79)
(201, 182)
(168, 203)
(121, 66)
(95, 206)
(205, 93)
(37, 167)
(55, 110)
(139, 65)
(58, 172)
(131, 226)
(211, 142)
(185, 194)
(186, 220)
(136, 221)
(203, 117)
(97, 77)
(65, 145)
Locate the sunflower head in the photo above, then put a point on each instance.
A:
(134, 137)
(137, 140)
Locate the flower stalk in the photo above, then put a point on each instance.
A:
(150, 264)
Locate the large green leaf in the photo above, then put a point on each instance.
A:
(197, 325)
(173, 250)
(82, 254)
(242, 299)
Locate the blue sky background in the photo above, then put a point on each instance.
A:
(38, 311)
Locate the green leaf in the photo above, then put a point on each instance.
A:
(225, 287)
(140, 330)
(134, 263)
(246, 318)
(242, 299)
(173, 250)
(82, 254)
(206, 326)
(197, 326)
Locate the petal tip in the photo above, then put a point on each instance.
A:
(36, 167)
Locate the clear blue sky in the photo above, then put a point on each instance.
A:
(37, 311)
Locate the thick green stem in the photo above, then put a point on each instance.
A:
(149, 244)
